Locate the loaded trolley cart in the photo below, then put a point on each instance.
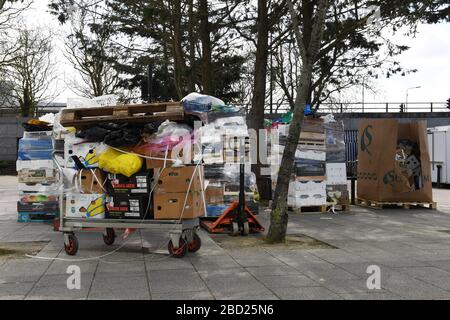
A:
(183, 233)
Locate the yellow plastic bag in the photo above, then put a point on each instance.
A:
(120, 163)
(129, 164)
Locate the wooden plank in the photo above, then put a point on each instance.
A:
(314, 136)
(310, 178)
(405, 205)
(123, 113)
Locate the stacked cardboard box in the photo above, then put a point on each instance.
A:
(37, 176)
(178, 193)
(88, 200)
(129, 196)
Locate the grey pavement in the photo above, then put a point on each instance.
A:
(409, 247)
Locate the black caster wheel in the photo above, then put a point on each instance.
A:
(71, 247)
(195, 244)
(180, 251)
(109, 237)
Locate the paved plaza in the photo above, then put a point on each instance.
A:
(411, 248)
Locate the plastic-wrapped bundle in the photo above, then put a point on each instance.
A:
(335, 141)
(200, 102)
(35, 148)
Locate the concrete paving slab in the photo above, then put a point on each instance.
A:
(306, 293)
(165, 281)
(188, 295)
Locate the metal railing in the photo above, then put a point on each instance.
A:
(367, 107)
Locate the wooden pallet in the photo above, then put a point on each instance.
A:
(312, 145)
(309, 209)
(312, 136)
(405, 205)
(132, 113)
(35, 217)
(320, 209)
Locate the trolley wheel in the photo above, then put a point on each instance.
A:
(180, 251)
(109, 237)
(246, 230)
(72, 247)
(235, 230)
(195, 244)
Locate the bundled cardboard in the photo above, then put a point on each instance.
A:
(382, 176)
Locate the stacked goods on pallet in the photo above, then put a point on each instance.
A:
(319, 176)
(37, 176)
(225, 143)
(222, 183)
(336, 170)
(394, 163)
(309, 187)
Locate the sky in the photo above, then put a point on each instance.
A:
(429, 53)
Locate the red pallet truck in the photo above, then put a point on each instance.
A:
(237, 219)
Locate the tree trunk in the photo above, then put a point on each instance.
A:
(179, 70)
(192, 42)
(259, 82)
(207, 80)
(279, 215)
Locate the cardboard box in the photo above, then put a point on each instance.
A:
(37, 197)
(159, 162)
(89, 206)
(39, 187)
(305, 199)
(85, 151)
(309, 168)
(214, 194)
(137, 184)
(91, 181)
(38, 207)
(336, 173)
(380, 177)
(36, 171)
(313, 125)
(128, 207)
(35, 148)
(310, 185)
(169, 206)
(176, 180)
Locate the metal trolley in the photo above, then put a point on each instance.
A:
(183, 233)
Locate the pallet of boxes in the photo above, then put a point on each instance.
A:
(37, 175)
(319, 181)
(394, 166)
